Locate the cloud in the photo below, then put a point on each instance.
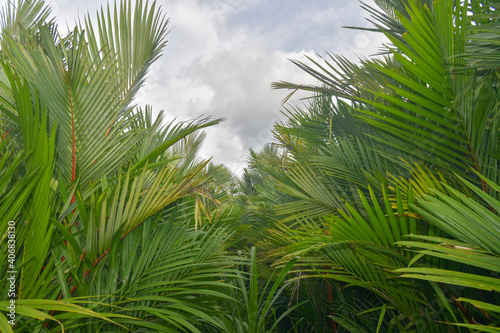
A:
(240, 81)
(234, 84)
(223, 55)
(231, 77)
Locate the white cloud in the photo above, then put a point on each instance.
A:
(234, 84)
(223, 55)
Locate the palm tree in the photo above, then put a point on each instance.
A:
(393, 173)
(103, 196)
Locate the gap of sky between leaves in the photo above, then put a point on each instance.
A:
(222, 56)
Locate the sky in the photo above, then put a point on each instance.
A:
(223, 55)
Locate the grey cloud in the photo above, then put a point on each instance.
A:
(223, 55)
(240, 80)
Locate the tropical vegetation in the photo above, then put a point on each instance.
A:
(375, 209)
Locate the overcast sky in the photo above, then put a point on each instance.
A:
(223, 55)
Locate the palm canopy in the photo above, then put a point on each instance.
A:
(95, 183)
(383, 191)
(401, 145)
(429, 94)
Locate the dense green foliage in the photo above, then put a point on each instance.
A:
(376, 209)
